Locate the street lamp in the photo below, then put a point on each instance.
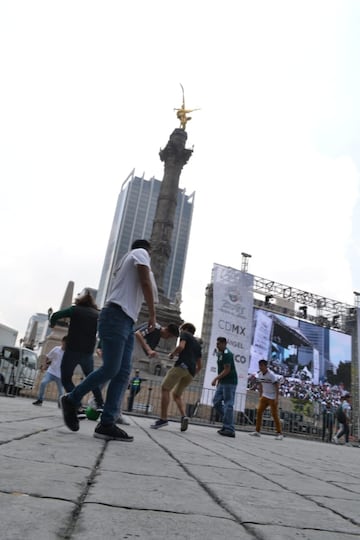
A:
(245, 261)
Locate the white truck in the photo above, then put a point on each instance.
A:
(8, 336)
(18, 369)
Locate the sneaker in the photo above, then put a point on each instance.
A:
(226, 433)
(348, 444)
(111, 433)
(159, 423)
(69, 411)
(81, 413)
(37, 402)
(279, 437)
(335, 439)
(255, 434)
(99, 407)
(184, 423)
(122, 420)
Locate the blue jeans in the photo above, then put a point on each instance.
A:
(116, 332)
(47, 378)
(224, 404)
(69, 362)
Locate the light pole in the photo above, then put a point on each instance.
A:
(245, 261)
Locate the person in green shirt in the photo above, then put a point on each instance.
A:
(226, 383)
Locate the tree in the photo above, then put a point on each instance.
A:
(342, 375)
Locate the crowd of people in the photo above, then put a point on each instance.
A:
(306, 390)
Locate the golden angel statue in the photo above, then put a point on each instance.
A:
(182, 113)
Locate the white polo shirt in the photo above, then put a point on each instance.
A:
(268, 381)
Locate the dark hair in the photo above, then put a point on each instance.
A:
(145, 244)
(263, 362)
(173, 329)
(188, 327)
(221, 339)
(86, 299)
(64, 339)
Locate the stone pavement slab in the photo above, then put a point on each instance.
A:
(57, 485)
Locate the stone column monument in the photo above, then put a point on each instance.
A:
(174, 156)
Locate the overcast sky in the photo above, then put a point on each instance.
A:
(87, 94)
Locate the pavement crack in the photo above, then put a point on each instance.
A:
(206, 488)
(68, 532)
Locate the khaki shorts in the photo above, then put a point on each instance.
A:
(177, 378)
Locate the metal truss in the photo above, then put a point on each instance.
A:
(328, 312)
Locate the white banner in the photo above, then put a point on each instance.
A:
(316, 366)
(262, 340)
(232, 319)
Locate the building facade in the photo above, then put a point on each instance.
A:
(36, 331)
(134, 216)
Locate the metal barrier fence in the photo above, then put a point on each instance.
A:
(198, 405)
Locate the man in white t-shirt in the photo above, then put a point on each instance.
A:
(53, 372)
(269, 397)
(133, 283)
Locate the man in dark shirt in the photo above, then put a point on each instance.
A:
(187, 365)
(148, 341)
(226, 383)
(81, 341)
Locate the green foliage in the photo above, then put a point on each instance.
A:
(342, 375)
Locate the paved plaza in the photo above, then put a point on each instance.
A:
(55, 484)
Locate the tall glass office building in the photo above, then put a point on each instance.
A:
(134, 216)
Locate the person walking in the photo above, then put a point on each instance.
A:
(226, 383)
(181, 375)
(343, 417)
(327, 421)
(269, 397)
(53, 373)
(133, 282)
(134, 387)
(81, 341)
(147, 341)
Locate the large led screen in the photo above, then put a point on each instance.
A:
(296, 348)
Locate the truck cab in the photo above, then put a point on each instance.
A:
(18, 369)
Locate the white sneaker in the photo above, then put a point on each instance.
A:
(255, 434)
(279, 437)
(335, 439)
